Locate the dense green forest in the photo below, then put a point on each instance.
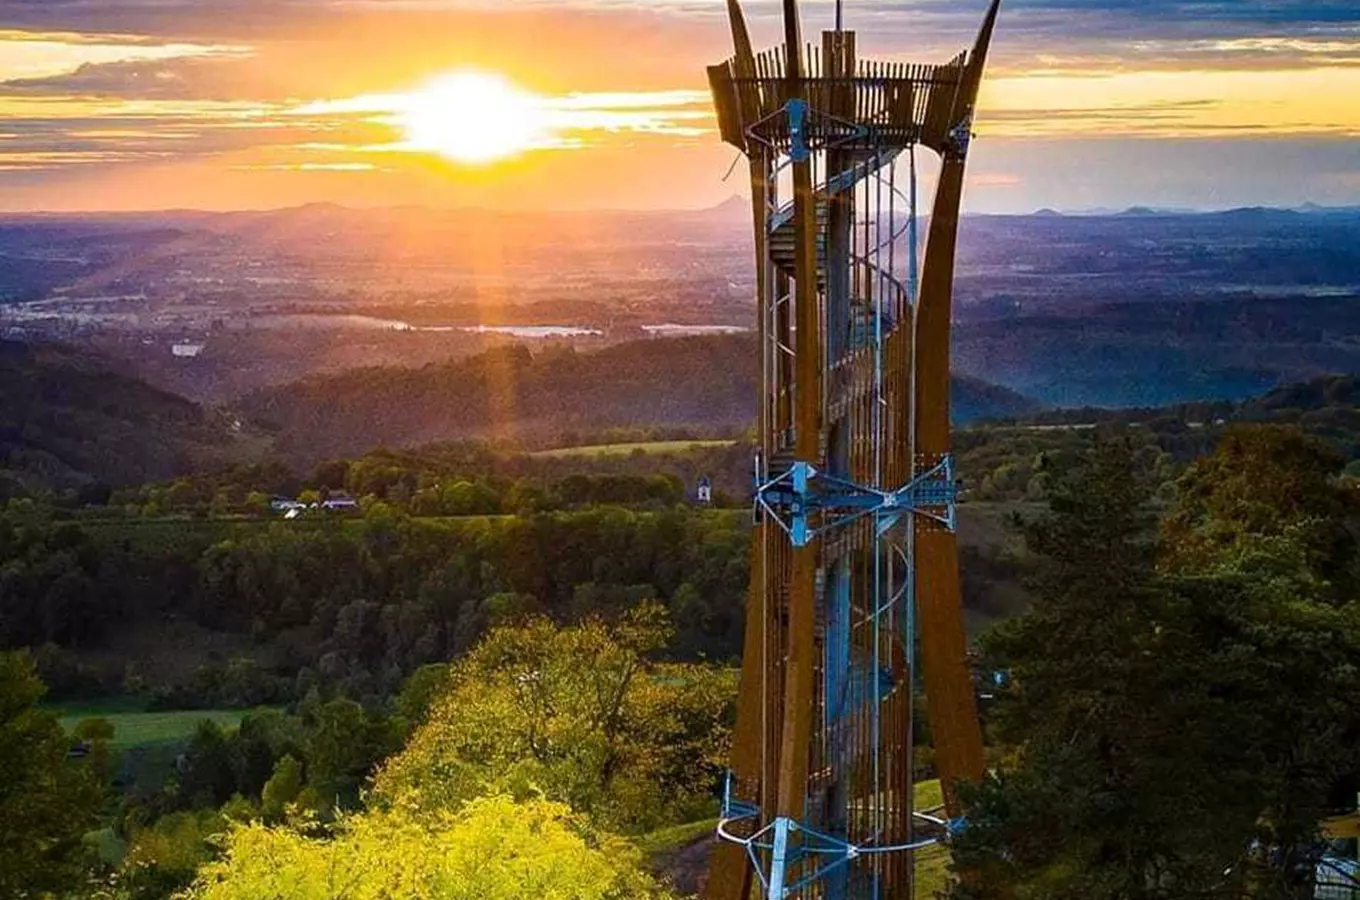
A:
(70, 418)
(202, 695)
(1179, 715)
(267, 609)
(347, 607)
(1176, 717)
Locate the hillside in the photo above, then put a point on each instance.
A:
(709, 382)
(1328, 406)
(68, 420)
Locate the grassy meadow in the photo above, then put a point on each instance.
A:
(626, 449)
(136, 727)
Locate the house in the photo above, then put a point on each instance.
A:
(341, 503)
(285, 505)
(705, 492)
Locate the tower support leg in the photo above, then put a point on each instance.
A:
(779, 858)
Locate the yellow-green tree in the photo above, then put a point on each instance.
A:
(584, 714)
(493, 848)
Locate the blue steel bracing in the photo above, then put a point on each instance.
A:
(798, 112)
(800, 494)
(788, 843)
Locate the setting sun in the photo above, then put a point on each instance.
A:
(473, 118)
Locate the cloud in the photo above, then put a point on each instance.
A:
(265, 88)
(40, 55)
(1173, 104)
(570, 121)
(308, 167)
(995, 180)
(215, 77)
(351, 134)
(1074, 18)
(1058, 33)
(55, 133)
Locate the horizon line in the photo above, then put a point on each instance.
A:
(1305, 207)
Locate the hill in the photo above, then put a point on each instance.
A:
(1299, 403)
(68, 419)
(705, 382)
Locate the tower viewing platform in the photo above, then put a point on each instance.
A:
(852, 104)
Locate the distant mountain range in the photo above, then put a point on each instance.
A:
(1139, 308)
(1135, 307)
(1142, 211)
(1326, 407)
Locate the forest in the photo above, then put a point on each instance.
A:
(72, 417)
(704, 382)
(423, 706)
(200, 697)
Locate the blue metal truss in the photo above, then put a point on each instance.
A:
(792, 857)
(789, 846)
(807, 502)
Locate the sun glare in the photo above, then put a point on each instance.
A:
(473, 118)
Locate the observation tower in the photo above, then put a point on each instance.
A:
(854, 567)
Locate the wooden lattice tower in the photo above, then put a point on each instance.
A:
(854, 563)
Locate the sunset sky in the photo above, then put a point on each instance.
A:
(135, 104)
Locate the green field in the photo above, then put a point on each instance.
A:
(674, 837)
(626, 449)
(135, 727)
(932, 863)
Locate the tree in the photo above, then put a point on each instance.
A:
(47, 800)
(1117, 785)
(583, 713)
(1177, 732)
(1268, 483)
(331, 474)
(1264, 534)
(257, 503)
(491, 847)
(281, 789)
(96, 735)
(344, 745)
(209, 775)
(419, 692)
(163, 859)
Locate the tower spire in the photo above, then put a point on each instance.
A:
(793, 42)
(977, 59)
(741, 39)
